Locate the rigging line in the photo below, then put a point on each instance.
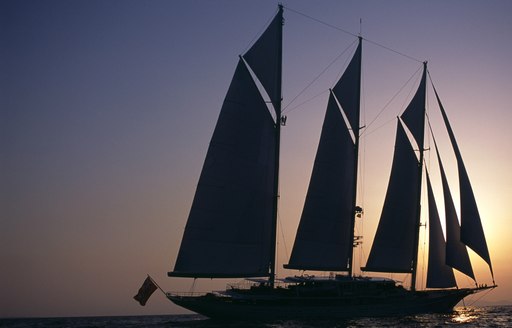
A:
(304, 102)
(482, 296)
(350, 33)
(387, 104)
(321, 22)
(314, 80)
(393, 50)
(282, 235)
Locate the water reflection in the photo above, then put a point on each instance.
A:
(464, 315)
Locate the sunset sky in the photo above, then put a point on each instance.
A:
(107, 109)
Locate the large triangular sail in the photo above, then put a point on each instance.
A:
(230, 230)
(393, 246)
(324, 240)
(471, 230)
(439, 275)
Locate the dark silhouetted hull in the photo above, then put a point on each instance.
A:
(276, 306)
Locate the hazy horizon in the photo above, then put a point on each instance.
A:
(107, 109)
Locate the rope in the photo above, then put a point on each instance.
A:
(353, 34)
(321, 22)
(313, 81)
(479, 298)
(282, 235)
(386, 106)
(395, 51)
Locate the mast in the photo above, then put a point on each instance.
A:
(418, 214)
(276, 102)
(356, 162)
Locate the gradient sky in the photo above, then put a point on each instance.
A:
(107, 108)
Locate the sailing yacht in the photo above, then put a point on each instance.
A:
(238, 187)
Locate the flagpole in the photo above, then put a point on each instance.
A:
(157, 285)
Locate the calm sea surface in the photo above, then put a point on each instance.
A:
(494, 316)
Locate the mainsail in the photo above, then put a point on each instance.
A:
(230, 231)
(395, 245)
(324, 240)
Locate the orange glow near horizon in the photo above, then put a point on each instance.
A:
(106, 122)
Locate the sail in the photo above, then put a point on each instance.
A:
(265, 57)
(348, 90)
(439, 275)
(414, 114)
(471, 230)
(323, 238)
(456, 253)
(228, 233)
(393, 246)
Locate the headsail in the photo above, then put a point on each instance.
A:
(439, 275)
(456, 253)
(230, 231)
(471, 230)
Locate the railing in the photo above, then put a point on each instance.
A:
(186, 294)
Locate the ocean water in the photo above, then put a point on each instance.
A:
(493, 316)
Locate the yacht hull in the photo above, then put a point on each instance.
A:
(275, 306)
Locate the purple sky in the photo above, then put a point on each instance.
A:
(107, 108)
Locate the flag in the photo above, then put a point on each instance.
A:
(145, 291)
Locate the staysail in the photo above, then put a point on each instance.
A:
(439, 275)
(456, 253)
(324, 240)
(471, 230)
(230, 230)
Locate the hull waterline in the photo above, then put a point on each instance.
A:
(275, 304)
